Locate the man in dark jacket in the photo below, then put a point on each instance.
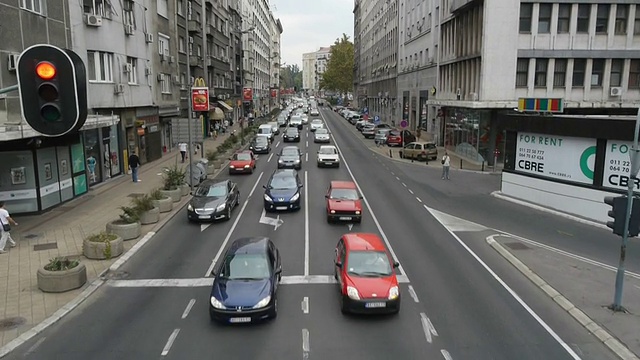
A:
(134, 164)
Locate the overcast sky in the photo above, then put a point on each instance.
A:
(309, 24)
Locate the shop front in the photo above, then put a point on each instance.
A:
(145, 138)
(473, 134)
(166, 114)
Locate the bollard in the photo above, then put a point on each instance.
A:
(482, 165)
(460, 163)
(390, 154)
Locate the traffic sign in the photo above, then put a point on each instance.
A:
(365, 110)
(376, 119)
(404, 123)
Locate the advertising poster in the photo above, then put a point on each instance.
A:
(247, 94)
(77, 157)
(557, 157)
(200, 98)
(617, 165)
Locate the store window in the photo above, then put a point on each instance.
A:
(93, 156)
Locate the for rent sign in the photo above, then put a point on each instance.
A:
(617, 165)
(558, 157)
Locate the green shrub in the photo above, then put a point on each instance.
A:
(173, 177)
(102, 237)
(129, 215)
(142, 203)
(61, 264)
(157, 195)
(212, 155)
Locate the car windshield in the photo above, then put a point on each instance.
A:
(242, 157)
(316, 122)
(368, 263)
(283, 183)
(265, 130)
(261, 140)
(327, 151)
(292, 131)
(344, 194)
(245, 267)
(216, 190)
(322, 131)
(290, 152)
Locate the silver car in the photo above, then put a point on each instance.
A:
(381, 136)
(321, 136)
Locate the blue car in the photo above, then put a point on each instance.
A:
(282, 192)
(246, 282)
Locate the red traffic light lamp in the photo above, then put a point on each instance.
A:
(46, 70)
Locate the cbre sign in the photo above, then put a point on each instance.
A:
(617, 165)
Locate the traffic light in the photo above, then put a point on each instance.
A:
(634, 221)
(617, 212)
(53, 90)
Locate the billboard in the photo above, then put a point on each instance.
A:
(247, 94)
(200, 98)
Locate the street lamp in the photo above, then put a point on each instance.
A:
(235, 113)
(272, 56)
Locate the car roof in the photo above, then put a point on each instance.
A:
(214, 182)
(363, 242)
(290, 147)
(343, 185)
(243, 152)
(284, 172)
(249, 245)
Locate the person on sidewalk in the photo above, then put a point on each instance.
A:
(183, 150)
(6, 221)
(446, 164)
(134, 164)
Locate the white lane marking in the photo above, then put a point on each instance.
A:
(172, 338)
(455, 223)
(397, 178)
(522, 303)
(311, 279)
(306, 157)
(306, 143)
(305, 341)
(278, 143)
(375, 219)
(270, 156)
(188, 308)
(427, 327)
(204, 227)
(392, 173)
(350, 226)
(132, 251)
(305, 305)
(413, 294)
(35, 346)
(410, 191)
(233, 227)
(446, 355)
(417, 198)
(306, 224)
(403, 184)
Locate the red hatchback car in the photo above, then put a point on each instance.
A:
(343, 202)
(242, 162)
(366, 275)
(399, 137)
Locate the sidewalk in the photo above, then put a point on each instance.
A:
(61, 231)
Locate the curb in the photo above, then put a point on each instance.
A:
(599, 332)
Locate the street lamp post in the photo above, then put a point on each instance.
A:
(239, 108)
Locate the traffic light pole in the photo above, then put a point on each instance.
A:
(635, 165)
(9, 89)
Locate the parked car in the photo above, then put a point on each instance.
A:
(400, 137)
(321, 136)
(369, 131)
(199, 173)
(290, 157)
(260, 145)
(242, 162)
(328, 156)
(381, 136)
(245, 283)
(366, 275)
(343, 202)
(420, 151)
(213, 200)
(282, 191)
(282, 120)
(291, 135)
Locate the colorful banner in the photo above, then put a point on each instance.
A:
(200, 98)
(247, 94)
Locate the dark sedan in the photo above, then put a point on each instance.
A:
(260, 145)
(291, 135)
(290, 157)
(246, 283)
(282, 191)
(213, 200)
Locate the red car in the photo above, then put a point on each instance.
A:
(343, 202)
(396, 137)
(366, 274)
(242, 162)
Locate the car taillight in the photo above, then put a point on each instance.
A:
(424, 153)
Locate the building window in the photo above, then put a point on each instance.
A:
(199, 50)
(128, 14)
(597, 69)
(183, 79)
(544, 19)
(163, 8)
(522, 72)
(541, 72)
(132, 64)
(602, 19)
(180, 6)
(95, 7)
(564, 17)
(100, 66)
(165, 84)
(181, 44)
(636, 22)
(579, 66)
(560, 73)
(526, 12)
(32, 5)
(634, 74)
(163, 44)
(584, 15)
(616, 72)
(622, 12)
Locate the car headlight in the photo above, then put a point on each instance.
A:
(221, 207)
(280, 161)
(268, 198)
(295, 197)
(246, 166)
(394, 293)
(216, 303)
(231, 167)
(262, 303)
(352, 293)
(357, 212)
(332, 211)
(190, 207)
(297, 161)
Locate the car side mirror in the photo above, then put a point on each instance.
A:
(326, 196)
(264, 186)
(339, 264)
(279, 270)
(396, 265)
(213, 273)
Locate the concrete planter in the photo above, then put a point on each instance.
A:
(150, 217)
(125, 231)
(61, 281)
(185, 189)
(175, 194)
(211, 169)
(103, 250)
(165, 205)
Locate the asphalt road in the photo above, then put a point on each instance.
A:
(460, 300)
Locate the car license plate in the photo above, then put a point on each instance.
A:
(240, 319)
(375, 305)
(327, 163)
(281, 208)
(205, 216)
(345, 217)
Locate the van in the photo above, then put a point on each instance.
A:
(266, 130)
(275, 127)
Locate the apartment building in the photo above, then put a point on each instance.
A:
(314, 64)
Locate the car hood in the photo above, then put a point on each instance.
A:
(240, 163)
(328, 156)
(372, 287)
(291, 135)
(322, 136)
(245, 293)
(260, 146)
(345, 205)
(285, 194)
(206, 202)
(287, 158)
(316, 125)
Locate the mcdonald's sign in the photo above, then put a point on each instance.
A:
(247, 94)
(200, 95)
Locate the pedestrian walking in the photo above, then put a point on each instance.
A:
(134, 165)
(183, 150)
(446, 164)
(6, 221)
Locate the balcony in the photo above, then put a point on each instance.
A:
(209, 29)
(194, 26)
(195, 61)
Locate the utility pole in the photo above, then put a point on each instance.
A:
(189, 119)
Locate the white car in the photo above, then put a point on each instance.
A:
(314, 112)
(328, 156)
(321, 136)
(305, 119)
(316, 124)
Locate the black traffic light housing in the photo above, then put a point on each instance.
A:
(618, 211)
(53, 89)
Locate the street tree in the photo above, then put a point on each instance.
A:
(339, 73)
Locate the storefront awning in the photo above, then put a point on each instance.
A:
(225, 106)
(216, 114)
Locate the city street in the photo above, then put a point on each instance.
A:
(460, 299)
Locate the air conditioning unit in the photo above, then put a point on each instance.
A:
(118, 89)
(127, 68)
(128, 29)
(94, 20)
(148, 71)
(616, 91)
(160, 77)
(148, 38)
(172, 59)
(12, 62)
(176, 79)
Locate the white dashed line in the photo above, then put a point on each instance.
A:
(172, 338)
(278, 143)
(306, 157)
(417, 198)
(189, 306)
(392, 173)
(270, 156)
(410, 191)
(305, 305)
(403, 184)
(305, 342)
(413, 294)
(306, 224)
(397, 178)
(446, 355)
(427, 327)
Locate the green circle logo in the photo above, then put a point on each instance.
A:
(584, 161)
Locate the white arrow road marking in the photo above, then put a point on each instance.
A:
(204, 227)
(350, 226)
(427, 327)
(413, 294)
(446, 355)
(275, 222)
(305, 305)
